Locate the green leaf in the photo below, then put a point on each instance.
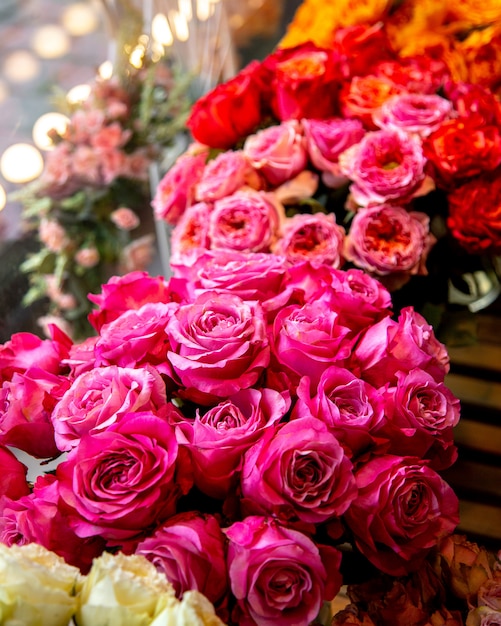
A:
(42, 262)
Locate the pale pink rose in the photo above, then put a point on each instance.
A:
(110, 136)
(113, 164)
(246, 221)
(390, 243)
(123, 480)
(190, 236)
(124, 218)
(417, 114)
(13, 483)
(116, 109)
(316, 238)
(403, 508)
(86, 164)
(65, 301)
(101, 397)
(176, 191)
(300, 472)
(218, 438)
(218, 346)
(386, 166)
(190, 550)
(301, 187)
(84, 124)
(58, 169)
(225, 174)
(277, 152)
(326, 140)
(87, 257)
(483, 616)
(278, 575)
(53, 235)
(137, 255)
(136, 164)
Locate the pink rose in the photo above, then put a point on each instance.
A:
(390, 242)
(326, 140)
(58, 172)
(27, 402)
(278, 576)
(122, 293)
(138, 255)
(122, 480)
(176, 191)
(247, 221)
(417, 114)
(421, 414)
(136, 338)
(218, 438)
(300, 472)
(124, 218)
(190, 550)
(110, 136)
(218, 346)
(53, 235)
(386, 166)
(225, 174)
(101, 397)
(391, 346)
(316, 238)
(483, 616)
(86, 164)
(13, 482)
(277, 152)
(81, 358)
(87, 257)
(190, 237)
(403, 508)
(350, 407)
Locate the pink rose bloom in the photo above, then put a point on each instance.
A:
(113, 164)
(87, 257)
(416, 114)
(27, 402)
(225, 174)
(136, 164)
(300, 472)
(176, 191)
(110, 136)
(41, 518)
(101, 397)
(402, 510)
(389, 242)
(190, 237)
(421, 414)
(350, 407)
(53, 235)
(218, 346)
(489, 594)
(58, 170)
(124, 218)
(218, 438)
(87, 165)
(277, 152)
(13, 482)
(136, 338)
(247, 221)
(326, 140)
(120, 481)
(138, 255)
(278, 575)
(483, 616)
(84, 124)
(190, 550)
(122, 293)
(316, 238)
(81, 358)
(386, 166)
(391, 346)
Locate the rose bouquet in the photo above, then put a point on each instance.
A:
(240, 431)
(349, 157)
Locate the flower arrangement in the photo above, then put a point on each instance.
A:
(94, 191)
(240, 431)
(349, 156)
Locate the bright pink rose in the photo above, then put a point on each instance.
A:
(417, 114)
(13, 482)
(81, 358)
(40, 517)
(278, 576)
(326, 140)
(246, 221)
(136, 338)
(122, 293)
(225, 174)
(391, 346)
(190, 550)
(403, 508)
(277, 152)
(122, 480)
(385, 166)
(350, 407)
(101, 397)
(300, 472)
(27, 402)
(421, 414)
(190, 237)
(218, 438)
(218, 346)
(390, 243)
(316, 238)
(176, 191)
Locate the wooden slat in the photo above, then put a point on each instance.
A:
(476, 391)
(483, 437)
(480, 520)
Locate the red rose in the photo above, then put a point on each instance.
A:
(475, 214)
(229, 112)
(360, 47)
(364, 94)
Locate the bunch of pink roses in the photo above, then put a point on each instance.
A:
(236, 430)
(349, 156)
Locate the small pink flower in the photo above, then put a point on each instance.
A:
(87, 257)
(111, 136)
(125, 219)
(87, 164)
(137, 255)
(53, 235)
(113, 164)
(136, 164)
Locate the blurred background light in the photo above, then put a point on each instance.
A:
(21, 163)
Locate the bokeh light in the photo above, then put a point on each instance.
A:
(80, 19)
(21, 66)
(46, 123)
(20, 163)
(50, 42)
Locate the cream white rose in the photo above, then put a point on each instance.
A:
(193, 610)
